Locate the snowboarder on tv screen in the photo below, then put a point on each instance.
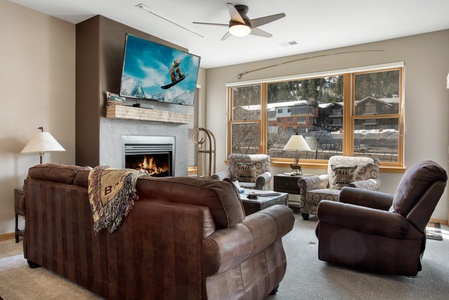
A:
(175, 71)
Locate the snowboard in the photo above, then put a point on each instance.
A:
(167, 86)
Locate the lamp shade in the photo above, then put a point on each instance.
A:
(42, 142)
(297, 142)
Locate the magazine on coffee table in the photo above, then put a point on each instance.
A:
(265, 194)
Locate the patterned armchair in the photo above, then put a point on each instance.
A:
(357, 172)
(252, 171)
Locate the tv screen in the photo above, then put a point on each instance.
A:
(156, 72)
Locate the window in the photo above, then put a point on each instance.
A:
(377, 115)
(245, 125)
(348, 113)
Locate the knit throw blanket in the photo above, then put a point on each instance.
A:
(112, 193)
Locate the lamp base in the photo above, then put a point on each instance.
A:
(296, 169)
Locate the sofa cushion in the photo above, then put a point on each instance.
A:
(59, 173)
(221, 197)
(342, 176)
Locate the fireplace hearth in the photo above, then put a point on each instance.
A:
(154, 154)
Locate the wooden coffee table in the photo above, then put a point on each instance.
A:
(265, 199)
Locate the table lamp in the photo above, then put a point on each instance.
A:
(296, 143)
(42, 142)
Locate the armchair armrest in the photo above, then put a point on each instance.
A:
(226, 248)
(369, 184)
(312, 183)
(222, 175)
(262, 180)
(367, 198)
(362, 219)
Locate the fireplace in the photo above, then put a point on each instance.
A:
(154, 154)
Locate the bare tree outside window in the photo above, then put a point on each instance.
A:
(246, 115)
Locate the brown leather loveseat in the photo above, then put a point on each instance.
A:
(185, 238)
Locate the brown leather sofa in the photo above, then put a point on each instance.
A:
(185, 238)
(379, 232)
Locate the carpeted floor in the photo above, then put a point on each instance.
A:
(306, 277)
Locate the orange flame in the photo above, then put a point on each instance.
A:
(149, 165)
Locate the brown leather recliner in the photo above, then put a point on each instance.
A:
(379, 232)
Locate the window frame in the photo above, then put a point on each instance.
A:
(349, 116)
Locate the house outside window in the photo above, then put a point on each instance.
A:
(357, 113)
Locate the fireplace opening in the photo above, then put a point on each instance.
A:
(154, 154)
(157, 165)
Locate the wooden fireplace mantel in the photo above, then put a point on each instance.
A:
(136, 113)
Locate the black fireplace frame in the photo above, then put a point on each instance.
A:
(144, 145)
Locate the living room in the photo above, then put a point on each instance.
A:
(40, 90)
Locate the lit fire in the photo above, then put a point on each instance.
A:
(149, 165)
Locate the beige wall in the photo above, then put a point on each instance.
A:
(37, 83)
(426, 59)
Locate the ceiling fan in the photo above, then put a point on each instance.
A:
(240, 25)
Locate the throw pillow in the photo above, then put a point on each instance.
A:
(245, 172)
(342, 176)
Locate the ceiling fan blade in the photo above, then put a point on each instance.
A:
(228, 34)
(260, 32)
(235, 15)
(215, 24)
(265, 20)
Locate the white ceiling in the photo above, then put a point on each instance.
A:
(314, 24)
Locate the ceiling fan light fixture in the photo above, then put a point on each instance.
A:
(240, 30)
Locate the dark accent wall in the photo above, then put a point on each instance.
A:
(99, 58)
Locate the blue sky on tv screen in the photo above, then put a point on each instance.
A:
(147, 68)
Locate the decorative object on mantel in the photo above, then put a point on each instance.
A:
(211, 152)
(296, 143)
(136, 113)
(42, 142)
(114, 99)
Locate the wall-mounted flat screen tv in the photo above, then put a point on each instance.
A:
(156, 72)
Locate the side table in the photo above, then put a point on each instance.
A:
(288, 184)
(18, 194)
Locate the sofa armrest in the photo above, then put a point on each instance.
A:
(367, 198)
(262, 180)
(362, 219)
(222, 175)
(227, 248)
(369, 184)
(312, 183)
